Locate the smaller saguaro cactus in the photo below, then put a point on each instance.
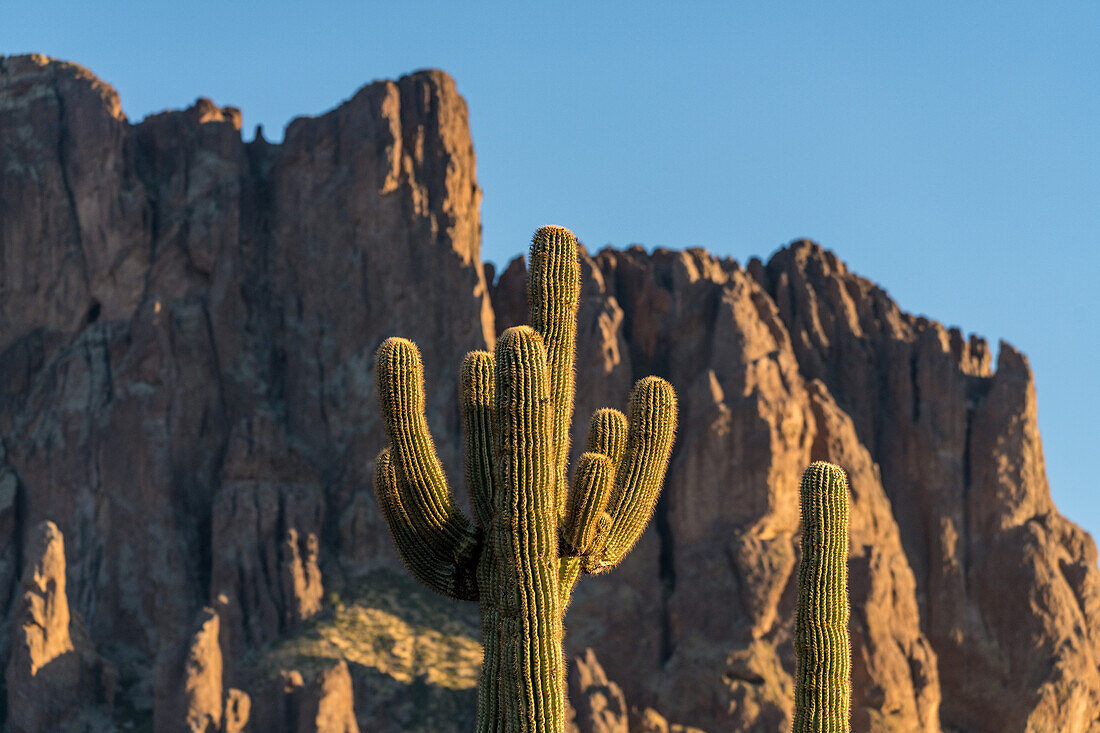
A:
(530, 538)
(822, 680)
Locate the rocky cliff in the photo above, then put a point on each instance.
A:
(187, 331)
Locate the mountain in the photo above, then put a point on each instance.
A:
(187, 333)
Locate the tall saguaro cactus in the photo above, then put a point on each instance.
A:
(822, 678)
(530, 538)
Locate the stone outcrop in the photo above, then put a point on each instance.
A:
(186, 343)
(962, 464)
(202, 683)
(237, 711)
(324, 705)
(277, 704)
(725, 545)
(187, 333)
(191, 694)
(599, 705)
(55, 680)
(327, 705)
(189, 682)
(267, 518)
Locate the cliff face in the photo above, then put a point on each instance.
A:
(186, 339)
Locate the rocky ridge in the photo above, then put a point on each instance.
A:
(187, 335)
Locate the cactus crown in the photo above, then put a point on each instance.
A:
(530, 538)
(822, 677)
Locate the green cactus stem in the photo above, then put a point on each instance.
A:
(822, 678)
(530, 539)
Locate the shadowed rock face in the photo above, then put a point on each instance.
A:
(186, 340)
(187, 333)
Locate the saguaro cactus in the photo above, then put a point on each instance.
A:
(822, 685)
(530, 538)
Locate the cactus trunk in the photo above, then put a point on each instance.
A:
(822, 677)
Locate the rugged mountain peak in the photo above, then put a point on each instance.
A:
(201, 112)
(961, 462)
(28, 77)
(186, 345)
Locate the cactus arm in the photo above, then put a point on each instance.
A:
(476, 380)
(823, 670)
(569, 569)
(553, 294)
(425, 495)
(477, 415)
(587, 501)
(586, 524)
(454, 577)
(526, 537)
(607, 435)
(581, 530)
(652, 424)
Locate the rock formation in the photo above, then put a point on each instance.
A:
(277, 708)
(186, 341)
(191, 695)
(269, 499)
(202, 683)
(189, 685)
(599, 706)
(325, 705)
(598, 703)
(962, 464)
(55, 680)
(237, 711)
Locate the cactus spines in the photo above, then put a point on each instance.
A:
(525, 536)
(448, 575)
(477, 415)
(607, 434)
(652, 423)
(434, 521)
(585, 524)
(822, 677)
(531, 539)
(553, 295)
(587, 501)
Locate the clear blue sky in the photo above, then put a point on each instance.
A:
(949, 151)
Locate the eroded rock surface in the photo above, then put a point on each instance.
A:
(323, 705)
(962, 466)
(187, 340)
(187, 336)
(192, 696)
(599, 705)
(327, 705)
(55, 679)
(189, 682)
